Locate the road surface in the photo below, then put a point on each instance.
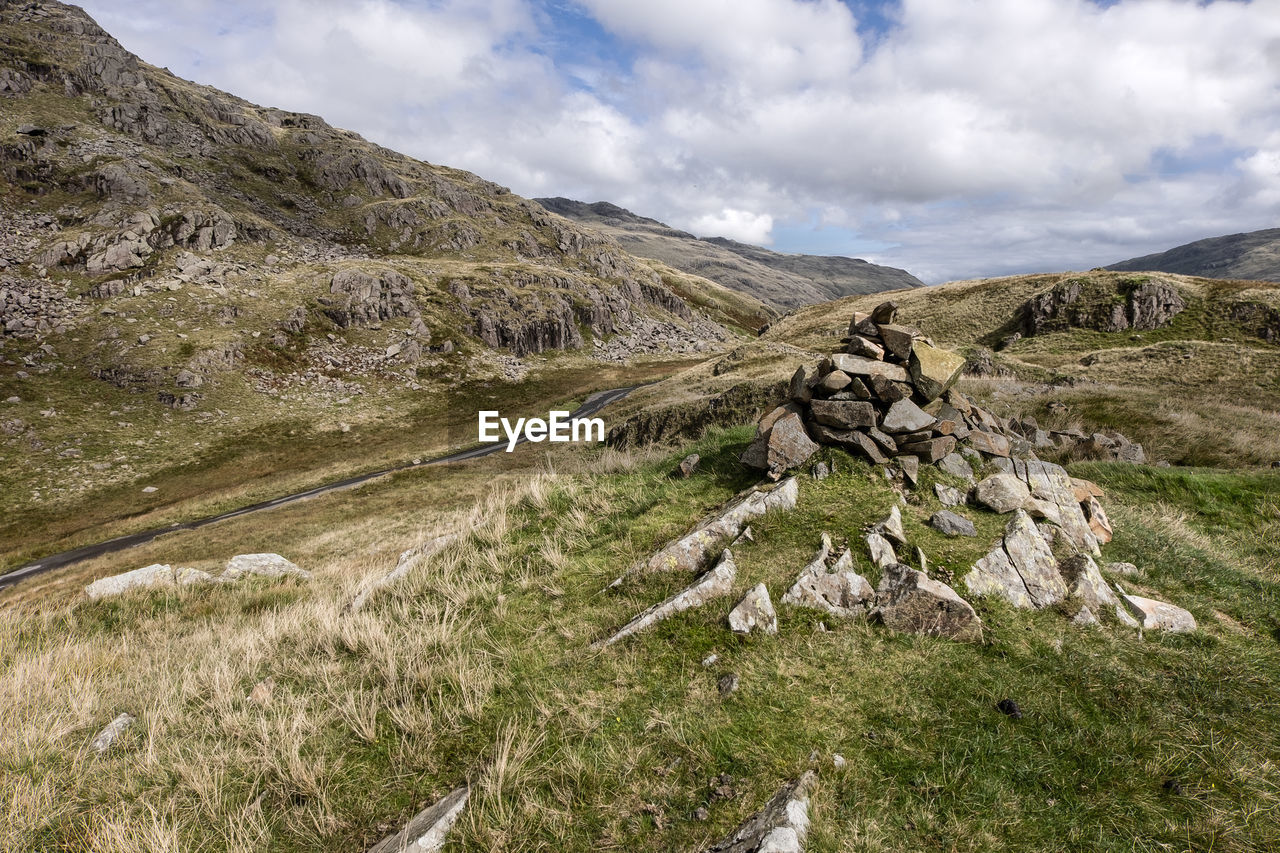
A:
(590, 406)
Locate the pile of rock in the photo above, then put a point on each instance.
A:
(890, 395)
(161, 575)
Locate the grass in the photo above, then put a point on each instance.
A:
(476, 667)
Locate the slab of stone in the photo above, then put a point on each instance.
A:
(429, 828)
(262, 565)
(890, 527)
(1020, 568)
(839, 591)
(898, 340)
(862, 442)
(1051, 483)
(908, 601)
(948, 522)
(881, 551)
(948, 495)
(844, 414)
(1082, 490)
(754, 612)
(931, 449)
(906, 416)
(109, 735)
(856, 365)
(1001, 493)
(714, 583)
(990, 443)
(1128, 569)
(889, 391)
(883, 440)
(934, 370)
(799, 391)
(779, 827)
(1085, 582)
(155, 575)
(865, 347)
(884, 313)
(1154, 615)
(955, 465)
(782, 445)
(691, 552)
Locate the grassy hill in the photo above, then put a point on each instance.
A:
(784, 281)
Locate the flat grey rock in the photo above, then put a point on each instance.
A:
(881, 551)
(839, 591)
(262, 565)
(948, 522)
(906, 416)
(948, 495)
(1155, 615)
(1001, 493)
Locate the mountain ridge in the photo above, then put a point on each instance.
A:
(785, 281)
(1248, 256)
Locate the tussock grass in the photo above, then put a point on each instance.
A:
(476, 668)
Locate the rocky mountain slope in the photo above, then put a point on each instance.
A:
(181, 269)
(1253, 256)
(782, 280)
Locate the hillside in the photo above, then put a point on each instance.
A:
(781, 280)
(216, 301)
(1252, 256)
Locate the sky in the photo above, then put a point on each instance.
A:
(952, 138)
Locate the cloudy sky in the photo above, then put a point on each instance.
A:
(954, 138)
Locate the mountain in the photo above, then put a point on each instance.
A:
(781, 280)
(1254, 256)
(188, 279)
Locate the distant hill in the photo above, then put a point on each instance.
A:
(1254, 256)
(784, 281)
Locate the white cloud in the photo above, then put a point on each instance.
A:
(979, 136)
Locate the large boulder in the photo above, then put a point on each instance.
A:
(908, 601)
(147, 577)
(781, 443)
(264, 565)
(1001, 493)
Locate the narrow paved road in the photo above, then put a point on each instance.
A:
(590, 406)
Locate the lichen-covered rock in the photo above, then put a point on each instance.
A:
(1001, 493)
(891, 527)
(1020, 568)
(934, 370)
(155, 575)
(945, 521)
(754, 612)
(714, 583)
(881, 551)
(909, 602)
(1085, 582)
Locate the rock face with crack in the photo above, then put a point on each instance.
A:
(910, 602)
(429, 828)
(780, 827)
(691, 552)
(839, 590)
(1020, 568)
(715, 583)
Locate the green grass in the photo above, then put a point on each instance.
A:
(570, 749)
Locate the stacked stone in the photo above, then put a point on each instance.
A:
(887, 395)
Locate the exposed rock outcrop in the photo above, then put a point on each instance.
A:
(714, 583)
(780, 827)
(910, 602)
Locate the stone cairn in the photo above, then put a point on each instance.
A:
(889, 395)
